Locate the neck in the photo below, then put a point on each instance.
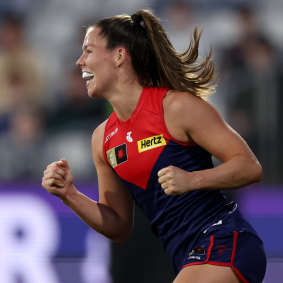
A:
(125, 100)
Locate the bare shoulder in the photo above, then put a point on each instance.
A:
(185, 113)
(186, 103)
(97, 140)
(98, 133)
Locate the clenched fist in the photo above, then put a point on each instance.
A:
(58, 178)
(174, 181)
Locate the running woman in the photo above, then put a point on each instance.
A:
(155, 150)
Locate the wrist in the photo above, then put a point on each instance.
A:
(196, 180)
(69, 195)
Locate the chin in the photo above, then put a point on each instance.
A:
(93, 93)
(90, 93)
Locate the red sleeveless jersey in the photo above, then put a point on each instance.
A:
(137, 149)
(132, 147)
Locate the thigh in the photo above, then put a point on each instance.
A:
(206, 273)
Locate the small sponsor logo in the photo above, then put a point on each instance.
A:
(151, 142)
(111, 135)
(197, 253)
(117, 155)
(128, 137)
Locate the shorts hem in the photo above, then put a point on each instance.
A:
(227, 264)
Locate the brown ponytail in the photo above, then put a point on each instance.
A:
(154, 59)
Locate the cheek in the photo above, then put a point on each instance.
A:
(105, 69)
(102, 65)
(91, 62)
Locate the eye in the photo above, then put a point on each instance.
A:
(88, 51)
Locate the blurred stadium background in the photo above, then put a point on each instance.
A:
(45, 114)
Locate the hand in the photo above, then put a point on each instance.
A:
(57, 178)
(174, 181)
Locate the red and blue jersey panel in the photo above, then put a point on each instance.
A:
(137, 149)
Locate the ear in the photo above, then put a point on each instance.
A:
(120, 56)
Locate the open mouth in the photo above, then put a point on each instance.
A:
(87, 77)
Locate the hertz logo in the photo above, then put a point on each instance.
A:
(150, 143)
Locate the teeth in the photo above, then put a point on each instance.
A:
(87, 75)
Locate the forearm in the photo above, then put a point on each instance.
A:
(239, 171)
(98, 216)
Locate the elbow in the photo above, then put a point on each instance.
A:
(121, 238)
(260, 172)
(122, 235)
(257, 172)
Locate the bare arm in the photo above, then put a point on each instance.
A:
(112, 216)
(189, 118)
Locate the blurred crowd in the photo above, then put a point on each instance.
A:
(46, 114)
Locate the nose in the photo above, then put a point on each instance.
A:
(80, 61)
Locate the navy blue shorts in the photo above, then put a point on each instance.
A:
(242, 251)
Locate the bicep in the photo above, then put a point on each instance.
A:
(209, 130)
(112, 192)
(194, 119)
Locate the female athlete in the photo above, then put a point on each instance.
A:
(155, 149)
